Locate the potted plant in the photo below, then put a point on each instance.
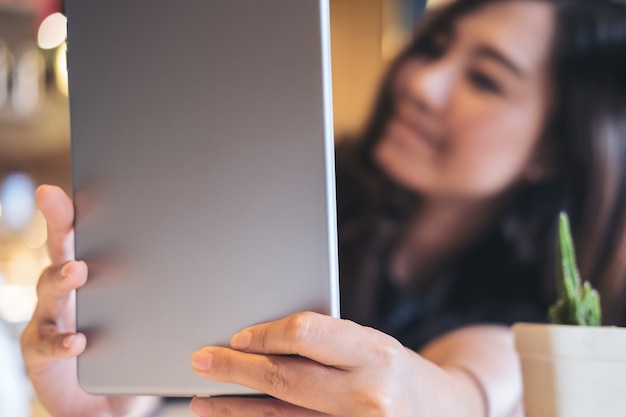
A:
(573, 367)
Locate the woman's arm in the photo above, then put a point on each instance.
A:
(483, 359)
(318, 365)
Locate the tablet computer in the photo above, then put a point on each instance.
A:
(203, 174)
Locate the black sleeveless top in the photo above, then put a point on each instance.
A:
(491, 283)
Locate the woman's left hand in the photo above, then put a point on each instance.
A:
(314, 365)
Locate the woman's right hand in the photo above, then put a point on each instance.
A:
(49, 342)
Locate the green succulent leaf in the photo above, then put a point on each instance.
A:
(577, 304)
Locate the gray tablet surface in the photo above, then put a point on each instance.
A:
(203, 177)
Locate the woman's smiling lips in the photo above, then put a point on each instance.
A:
(417, 132)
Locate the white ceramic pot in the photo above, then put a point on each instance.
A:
(572, 371)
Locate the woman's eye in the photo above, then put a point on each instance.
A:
(484, 82)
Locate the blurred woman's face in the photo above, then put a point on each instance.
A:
(469, 112)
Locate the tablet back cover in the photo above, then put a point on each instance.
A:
(203, 178)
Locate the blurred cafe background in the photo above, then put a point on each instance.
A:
(35, 138)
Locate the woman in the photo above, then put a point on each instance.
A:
(498, 115)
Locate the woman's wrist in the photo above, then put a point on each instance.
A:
(467, 387)
(450, 391)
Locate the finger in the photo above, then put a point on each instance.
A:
(62, 345)
(293, 379)
(44, 344)
(58, 281)
(58, 211)
(55, 290)
(324, 339)
(248, 407)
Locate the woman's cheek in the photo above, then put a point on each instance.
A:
(481, 167)
(497, 141)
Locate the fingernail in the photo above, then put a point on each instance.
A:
(67, 342)
(65, 271)
(201, 360)
(241, 340)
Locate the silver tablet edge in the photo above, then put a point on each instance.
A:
(329, 144)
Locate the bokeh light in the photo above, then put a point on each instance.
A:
(17, 197)
(60, 69)
(52, 31)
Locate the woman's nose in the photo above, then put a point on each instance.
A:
(431, 83)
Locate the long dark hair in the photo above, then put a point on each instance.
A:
(586, 135)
